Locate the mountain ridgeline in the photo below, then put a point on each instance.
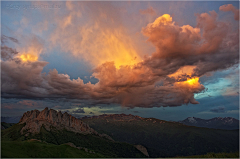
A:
(35, 119)
(58, 131)
(226, 123)
(163, 138)
(116, 136)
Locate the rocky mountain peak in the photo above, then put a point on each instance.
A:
(35, 119)
(228, 123)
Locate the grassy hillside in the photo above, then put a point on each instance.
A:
(99, 145)
(167, 139)
(13, 133)
(34, 149)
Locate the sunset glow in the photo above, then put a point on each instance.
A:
(142, 79)
(28, 57)
(121, 55)
(192, 81)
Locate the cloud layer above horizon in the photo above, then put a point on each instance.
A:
(157, 62)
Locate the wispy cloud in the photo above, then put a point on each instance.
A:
(149, 11)
(218, 110)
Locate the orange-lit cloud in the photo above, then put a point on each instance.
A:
(31, 51)
(185, 70)
(98, 45)
(28, 57)
(168, 77)
(97, 42)
(230, 7)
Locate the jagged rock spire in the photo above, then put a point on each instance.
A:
(48, 117)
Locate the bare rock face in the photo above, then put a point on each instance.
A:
(35, 120)
(142, 149)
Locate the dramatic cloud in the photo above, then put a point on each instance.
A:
(102, 38)
(230, 7)
(7, 53)
(214, 50)
(168, 77)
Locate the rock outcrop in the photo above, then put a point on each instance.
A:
(51, 118)
(142, 149)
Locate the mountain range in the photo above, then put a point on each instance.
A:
(14, 119)
(164, 138)
(38, 130)
(51, 133)
(227, 123)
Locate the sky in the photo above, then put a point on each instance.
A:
(167, 60)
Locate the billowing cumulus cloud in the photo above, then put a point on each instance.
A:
(230, 7)
(178, 46)
(168, 77)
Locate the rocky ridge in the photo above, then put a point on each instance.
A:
(116, 117)
(227, 123)
(142, 149)
(123, 118)
(35, 119)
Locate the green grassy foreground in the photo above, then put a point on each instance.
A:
(36, 149)
(15, 143)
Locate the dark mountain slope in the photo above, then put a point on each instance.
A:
(165, 139)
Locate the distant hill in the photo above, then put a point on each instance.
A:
(165, 139)
(227, 123)
(6, 125)
(14, 119)
(54, 130)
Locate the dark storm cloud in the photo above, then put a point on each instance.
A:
(23, 79)
(7, 53)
